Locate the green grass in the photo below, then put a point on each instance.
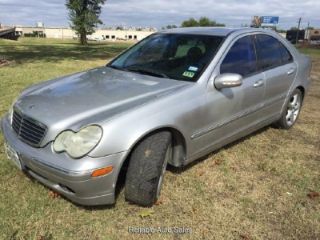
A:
(36, 60)
(254, 189)
(313, 52)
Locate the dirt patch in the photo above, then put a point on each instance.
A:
(5, 62)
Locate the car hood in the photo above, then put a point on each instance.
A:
(91, 97)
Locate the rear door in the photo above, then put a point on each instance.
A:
(276, 62)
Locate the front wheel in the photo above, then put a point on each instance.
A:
(292, 110)
(146, 169)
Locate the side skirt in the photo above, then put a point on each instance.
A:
(236, 136)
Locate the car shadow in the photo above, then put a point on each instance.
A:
(180, 170)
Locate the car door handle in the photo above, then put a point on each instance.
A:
(291, 71)
(258, 83)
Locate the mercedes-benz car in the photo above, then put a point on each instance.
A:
(172, 98)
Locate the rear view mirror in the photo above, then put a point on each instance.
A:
(228, 80)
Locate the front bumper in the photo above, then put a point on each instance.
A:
(71, 178)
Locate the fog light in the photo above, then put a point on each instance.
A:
(102, 171)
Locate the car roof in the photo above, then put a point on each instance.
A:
(213, 31)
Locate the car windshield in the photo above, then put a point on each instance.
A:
(176, 56)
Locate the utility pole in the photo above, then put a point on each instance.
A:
(307, 35)
(298, 31)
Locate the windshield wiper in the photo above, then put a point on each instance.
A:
(118, 68)
(147, 72)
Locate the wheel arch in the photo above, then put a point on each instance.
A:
(179, 149)
(302, 89)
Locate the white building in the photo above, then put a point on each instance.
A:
(100, 34)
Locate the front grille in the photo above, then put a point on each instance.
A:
(28, 129)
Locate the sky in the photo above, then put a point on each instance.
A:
(159, 13)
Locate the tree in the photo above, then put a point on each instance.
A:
(191, 22)
(84, 16)
(171, 26)
(203, 22)
(206, 22)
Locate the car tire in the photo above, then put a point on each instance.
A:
(291, 111)
(146, 169)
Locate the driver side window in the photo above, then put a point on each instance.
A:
(241, 58)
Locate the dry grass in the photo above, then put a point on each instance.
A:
(256, 188)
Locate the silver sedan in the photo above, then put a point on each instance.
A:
(170, 99)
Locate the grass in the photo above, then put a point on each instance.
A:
(312, 52)
(254, 189)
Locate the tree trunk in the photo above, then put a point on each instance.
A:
(83, 38)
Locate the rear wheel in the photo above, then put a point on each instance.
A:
(146, 170)
(291, 113)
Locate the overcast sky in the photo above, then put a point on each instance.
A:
(160, 13)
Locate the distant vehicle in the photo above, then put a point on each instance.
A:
(315, 40)
(95, 38)
(170, 99)
(292, 35)
(9, 33)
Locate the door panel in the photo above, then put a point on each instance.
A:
(278, 82)
(280, 70)
(231, 111)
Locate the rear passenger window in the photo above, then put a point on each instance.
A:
(269, 52)
(241, 58)
(285, 54)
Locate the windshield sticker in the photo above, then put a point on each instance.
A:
(193, 69)
(188, 74)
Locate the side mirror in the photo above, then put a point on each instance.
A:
(228, 80)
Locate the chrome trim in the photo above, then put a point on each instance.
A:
(235, 117)
(29, 121)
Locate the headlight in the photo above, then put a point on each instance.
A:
(78, 144)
